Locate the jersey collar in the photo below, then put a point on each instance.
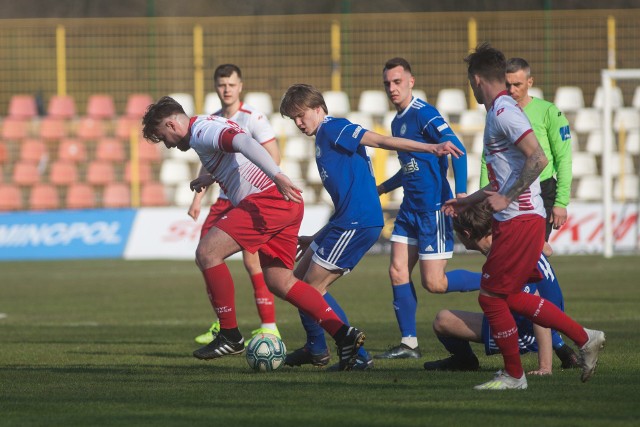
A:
(503, 93)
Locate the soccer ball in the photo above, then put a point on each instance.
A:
(265, 352)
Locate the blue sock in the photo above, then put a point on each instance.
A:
(463, 281)
(556, 340)
(343, 316)
(316, 342)
(405, 304)
(457, 346)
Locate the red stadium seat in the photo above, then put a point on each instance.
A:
(10, 197)
(116, 195)
(110, 149)
(149, 151)
(100, 173)
(33, 150)
(62, 107)
(14, 129)
(124, 126)
(72, 150)
(63, 172)
(4, 153)
(26, 173)
(43, 197)
(144, 172)
(52, 129)
(152, 194)
(22, 107)
(80, 196)
(90, 129)
(101, 106)
(137, 104)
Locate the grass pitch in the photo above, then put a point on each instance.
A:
(100, 343)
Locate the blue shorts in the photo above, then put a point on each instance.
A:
(526, 338)
(339, 249)
(431, 232)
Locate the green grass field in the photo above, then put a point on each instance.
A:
(88, 343)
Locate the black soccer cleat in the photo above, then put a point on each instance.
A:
(303, 356)
(401, 351)
(220, 346)
(568, 357)
(348, 349)
(453, 363)
(363, 363)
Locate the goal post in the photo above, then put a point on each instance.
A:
(608, 77)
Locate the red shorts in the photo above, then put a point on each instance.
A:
(266, 223)
(515, 251)
(219, 208)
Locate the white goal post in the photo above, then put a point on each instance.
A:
(608, 76)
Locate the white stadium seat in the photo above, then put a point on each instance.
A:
(337, 103)
(261, 101)
(374, 102)
(186, 100)
(569, 98)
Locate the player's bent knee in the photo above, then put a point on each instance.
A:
(435, 287)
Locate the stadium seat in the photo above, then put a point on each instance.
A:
(374, 102)
(80, 196)
(90, 129)
(72, 150)
(33, 150)
(625, 187)
(116, 195)
(595, 142)
(43, 197)
(472, 121)
(626, 118)
(14, 129)
(589, 188)
(337, 103)
(125, 125)
(583, 164)
(536, 92)
(386, 121)
(298, 148)
(174, 171)
(635, 101)
(261, 101)
(111, 150)
(10, 197)
(312, 174)
(63, 172)
(183, 196)
(52, 129)
(186, 100)
(144, 172)
(153, 194)
(26, 173)
(100, 173)
(4, 154)
(284, 127)
(477, 145)
(61, 107)
(420, 94)
(621, 164)
(473, 167)
(189, 156)
(363, 119)
(587, 120)
(451, 101)
(150, 152)
(632, 142)
(212, 103)
(569, 99)
(137, 104)
(22, 107)
(101, 106)
(292, 168)
(616, 98)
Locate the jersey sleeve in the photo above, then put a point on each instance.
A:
(260, 128)
(347, 135)
(559, 136)
(514, 124)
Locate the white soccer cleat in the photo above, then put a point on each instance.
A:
(589, 353)
(504, 381)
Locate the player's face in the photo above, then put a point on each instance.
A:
(168, 132)
(398, 83)
(518, 85)
(474, 82)
(308, 120)
(229, 89)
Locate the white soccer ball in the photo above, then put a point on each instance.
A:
(265, 352)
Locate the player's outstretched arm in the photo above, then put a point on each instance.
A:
(375, 140)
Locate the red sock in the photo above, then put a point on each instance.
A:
(264, 299)
(544, 313)
(221, 294)
(307, 298)
(504, 332)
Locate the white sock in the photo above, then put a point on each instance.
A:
(271, 326)
(411, 342)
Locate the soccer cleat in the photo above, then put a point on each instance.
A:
(259, 331)
(568, 357)
(220, 346)
(348, 348)
(504, 381)
(303, 356)
(208, 336)
(363, 363)
(454, 363)
(401, 351)
(589, 353)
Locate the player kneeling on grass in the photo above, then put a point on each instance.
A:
(266, 218)
(455, 329)
(346, 173)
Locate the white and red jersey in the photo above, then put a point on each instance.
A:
(211, 138)
(252, 122)
(505, 127)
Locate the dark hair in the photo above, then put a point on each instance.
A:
(487, 62)
(397, 62)
(517, 64)
(165, 107)
(477, 221)
(226, 70)
(300, 96)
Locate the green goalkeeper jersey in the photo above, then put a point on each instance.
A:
(551, 127)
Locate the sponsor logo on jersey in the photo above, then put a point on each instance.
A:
(410, 167)
(403, 129)
(500, 111)
(356, 132)
(565, 133)
(323, 174)
(442, 127)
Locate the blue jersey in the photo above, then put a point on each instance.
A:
(423, 175)
(347, 174)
